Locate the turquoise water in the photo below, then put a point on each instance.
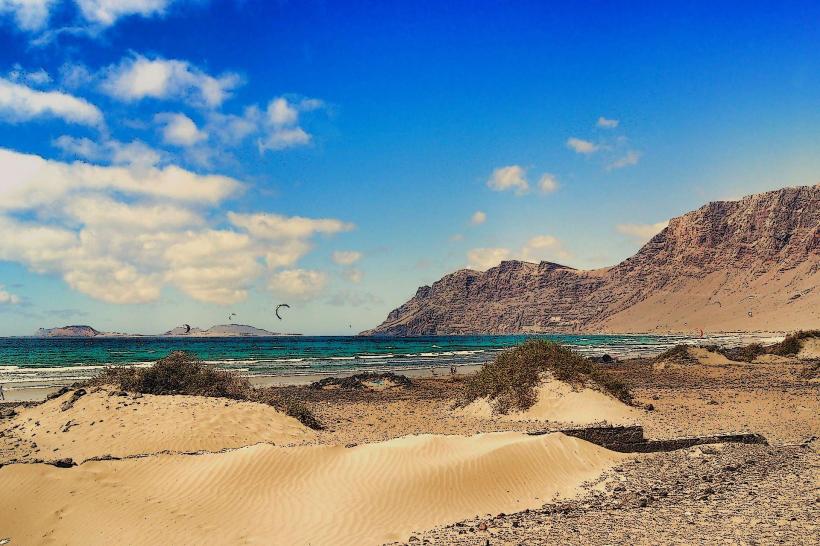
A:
(52, 361)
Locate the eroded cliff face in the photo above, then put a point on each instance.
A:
(752, 264)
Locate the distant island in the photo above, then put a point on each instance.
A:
(219, 330)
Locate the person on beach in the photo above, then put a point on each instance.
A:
(2, 394)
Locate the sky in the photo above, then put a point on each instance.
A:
(166, 162)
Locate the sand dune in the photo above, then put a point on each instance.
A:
(559, 402)
(100, 424)
(298, 495)
(810, 349)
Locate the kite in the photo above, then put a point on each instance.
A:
(277, 309)
(231, 316)
(187, 328)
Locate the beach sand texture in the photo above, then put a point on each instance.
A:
(562, 403)
(261, 494)
(100, 423)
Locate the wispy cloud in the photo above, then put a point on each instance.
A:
(641, 232)
(548, 183)
(478, 217)
(606, 123)
(7, 298)
(631, 158)
(19, 103)
(581, 146)
(346, 257)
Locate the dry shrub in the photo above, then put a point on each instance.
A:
(510, 380)
(678, 353)
(183, 373)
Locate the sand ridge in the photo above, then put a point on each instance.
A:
(104, 423)
(560, 402)
(367, 494)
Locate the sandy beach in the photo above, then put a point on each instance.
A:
(401, 464)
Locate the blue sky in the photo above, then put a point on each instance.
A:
(171, 162)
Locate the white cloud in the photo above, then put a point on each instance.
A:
(303, 284)
(548, 183)
(581, 146)
(485, 258)
(122, 235)
(641, 232)
(478, 217)
(106, 12)
(282, 128)
(179, 130)
(607, 123)
(30, 181)
(21, 103)
(545, 247)
(29, 15)
(512, 177)
(281, 112)
(353, 275)
(456, 237)
(346, 257)
(631, 158)
(277, 227)
(134, 153)
(138, 77)
(7, 298)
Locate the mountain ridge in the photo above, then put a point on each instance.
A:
(750, 264)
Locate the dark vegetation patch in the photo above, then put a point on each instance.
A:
(358, 381)
(790, 346)
(678, 353)
(183, 373)
(511, 379)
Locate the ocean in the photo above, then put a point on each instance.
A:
(44, 362)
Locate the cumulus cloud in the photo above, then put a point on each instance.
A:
(19, 103)
(478, 217)
(581, 146)
(31, 181)
(346, 257)
(282, 128)
(138, 77)
(607, 123)
(34, 77)
(135, 153)
(29, 15)
(641, 232)
(536, 249)
(548, 183)
(631, 158)
(545, 247)
(122, 235)
(511, 177)
(303, 284)
(179, 130)
(7, 298)
(485, 258)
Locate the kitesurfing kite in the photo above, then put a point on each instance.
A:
(231, 316)
(277, 309)
(187, 328)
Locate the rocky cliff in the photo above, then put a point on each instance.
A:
(68, 331)
(752, 264)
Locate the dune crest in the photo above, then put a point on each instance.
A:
(105, 423)
(368, 494)
(560, 402)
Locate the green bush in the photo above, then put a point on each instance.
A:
(510, 380)
(182, 373)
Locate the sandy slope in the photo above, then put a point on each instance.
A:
(313, 494)
(559, 402)
(100, 424)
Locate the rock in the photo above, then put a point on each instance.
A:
(63, 463)
(68, 404)
(519, 297)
